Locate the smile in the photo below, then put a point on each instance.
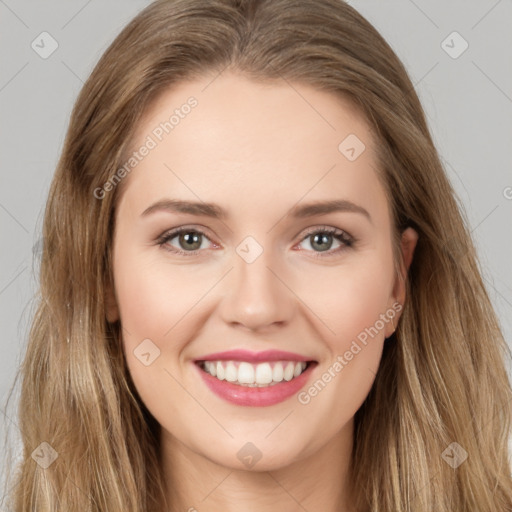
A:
(247, 374)
(255, 384)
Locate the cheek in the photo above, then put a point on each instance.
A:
(351, 308)
(153, 300)
(159, 301)
(152, 293)
(140, 299)
(351, 299)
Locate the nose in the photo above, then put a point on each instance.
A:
(257, 294)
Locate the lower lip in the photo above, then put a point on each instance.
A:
(256, 397)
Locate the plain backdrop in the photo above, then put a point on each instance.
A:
(458, 55)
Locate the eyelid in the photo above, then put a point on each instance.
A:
(326, 228)
(198, 228)
(345, 238)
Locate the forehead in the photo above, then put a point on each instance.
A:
(228, 139)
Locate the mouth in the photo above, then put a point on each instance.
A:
(254, 379)
(255, 384)
(254, 375)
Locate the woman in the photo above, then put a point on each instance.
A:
(251, 370)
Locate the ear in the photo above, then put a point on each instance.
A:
(409, 241)
(111, 308)
(408, 244)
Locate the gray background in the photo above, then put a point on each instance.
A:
(468, 101)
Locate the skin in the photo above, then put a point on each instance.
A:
(257, 151)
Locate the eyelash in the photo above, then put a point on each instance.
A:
(343, 237)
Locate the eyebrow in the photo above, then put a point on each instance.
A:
(217, 212)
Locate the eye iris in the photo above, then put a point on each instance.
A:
(190, 238)
(322, 238)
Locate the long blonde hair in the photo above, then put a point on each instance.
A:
(442, 377)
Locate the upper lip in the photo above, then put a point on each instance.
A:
(253, 357)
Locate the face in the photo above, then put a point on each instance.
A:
(271, 274)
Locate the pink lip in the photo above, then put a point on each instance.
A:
(253, 357)
(256, 397)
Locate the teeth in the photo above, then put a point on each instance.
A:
(246, 373)
(220, 371)
(277, 373)
(288, 371)
(231, 372)
(254, 375)
(263, 374)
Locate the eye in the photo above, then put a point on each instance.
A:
(321, 239)
(189, 238)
